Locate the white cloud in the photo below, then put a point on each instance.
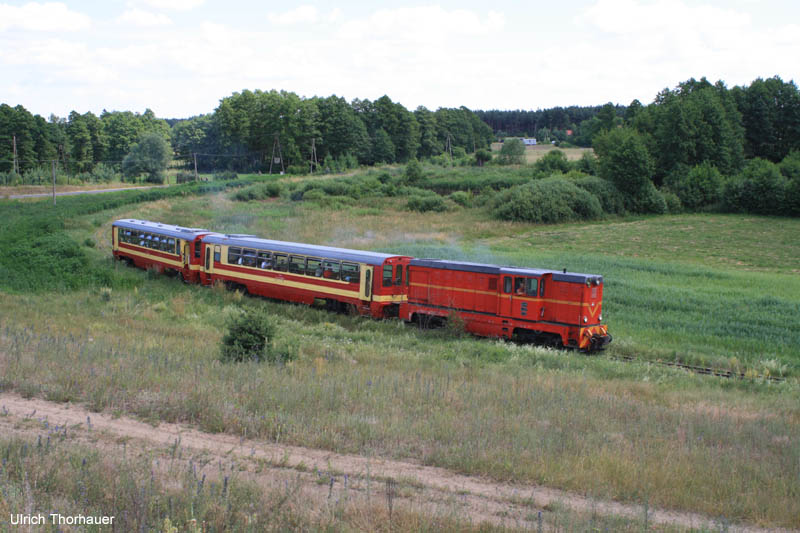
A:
(144, 19)
(33, 16)
(174, 5)
(299, 15)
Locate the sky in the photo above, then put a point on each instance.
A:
(180, 57)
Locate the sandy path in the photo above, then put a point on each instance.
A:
(425, 488)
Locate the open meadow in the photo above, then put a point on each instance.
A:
(534, 153)
(705, 289)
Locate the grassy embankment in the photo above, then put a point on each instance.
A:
(627, 431)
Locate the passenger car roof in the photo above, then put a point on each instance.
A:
(328, 252)
(164, 229)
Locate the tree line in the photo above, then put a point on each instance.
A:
(244, 133)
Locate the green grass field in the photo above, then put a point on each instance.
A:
(703, 288)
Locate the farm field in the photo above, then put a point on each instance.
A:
(701, 288)
(534, 153)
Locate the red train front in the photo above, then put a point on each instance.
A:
(545, 306)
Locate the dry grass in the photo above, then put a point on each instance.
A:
(534, 153)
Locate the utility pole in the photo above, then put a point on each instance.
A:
(276, 145)
(16, 163)
(195, 166)
(53, 166)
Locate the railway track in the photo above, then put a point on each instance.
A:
(707, 371)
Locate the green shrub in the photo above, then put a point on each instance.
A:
(609, 196)
(696, 187)
(512, 153)
(462, 198)
(298, 170)
(552, 162)
(248, 337)
(482, 156)
(790, 168)
(672, 201)
(549, 200)
(759, 188)
(650, 200)
(426, 203)
(413, 172)
(586, 164)
(184, 177)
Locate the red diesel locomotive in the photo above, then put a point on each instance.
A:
(543, 306)
(546, 306)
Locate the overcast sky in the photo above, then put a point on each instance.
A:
(180, 57)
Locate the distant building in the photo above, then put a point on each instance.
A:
(528, 142)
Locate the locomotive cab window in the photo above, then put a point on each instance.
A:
(531, 286)
(331, 269)
(398, 275)
(387, 275)
(541, 289)
(351, 272)
(507, 284)
(519, 286)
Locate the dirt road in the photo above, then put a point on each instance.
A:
(423, 487)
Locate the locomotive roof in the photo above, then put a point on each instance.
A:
(164, 229)
(328, 252)
(465, 266)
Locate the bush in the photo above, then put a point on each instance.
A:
(650, 200)
(413, 172)
(248, 338)
(549, 200)
(672, 201)
(482, 156)
(426, 203)
(462, 198)
(697, 187)
(552, 162)
(760, 188)
(586, 164)
(609, 196)
(259, 191)
(790, 168)
(105, 173)
(298, 170)
(512, 153)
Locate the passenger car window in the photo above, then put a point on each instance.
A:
(314, 267)
(265, 260)
(351, 272)
(249, 257)
(297, 264)
(331, 269)
(234, 256)
(280, 262)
